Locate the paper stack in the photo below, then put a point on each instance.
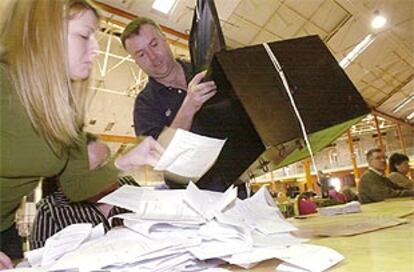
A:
(186, 230)
(351, 207)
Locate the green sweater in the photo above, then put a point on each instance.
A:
(374, 188)
(25, 157)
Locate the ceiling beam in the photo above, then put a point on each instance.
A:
(395, 90)
(173, 42)
(117, 139)
(393, 119)
(131, 16)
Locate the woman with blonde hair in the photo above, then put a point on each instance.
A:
(46, 53)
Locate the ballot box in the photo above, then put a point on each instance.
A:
(252, 108)
(206, 36)
(268, 95)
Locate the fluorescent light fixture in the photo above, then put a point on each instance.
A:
(358, 49)
(378, 22)
(163, 6)
(403, 103)
(410, 116)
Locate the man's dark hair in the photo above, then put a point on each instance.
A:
(397, 159)
(134, 26)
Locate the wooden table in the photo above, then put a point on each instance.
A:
(390, 249)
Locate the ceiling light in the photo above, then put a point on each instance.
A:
(163, 6)
(403, 103)
(358, 49)
(378, 21)
(410, 116)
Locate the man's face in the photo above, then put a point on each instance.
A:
(378, 161)
(151, 52)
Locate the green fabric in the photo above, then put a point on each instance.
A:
(318, 141)
(25, 157)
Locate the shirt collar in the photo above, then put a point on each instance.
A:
(188, 72)
(376, 171)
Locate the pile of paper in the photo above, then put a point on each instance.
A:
(185, 230)
(351, 207)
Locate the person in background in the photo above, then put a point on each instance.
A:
(292, 190)
(350, 195)
(335, 195)
(374, 186)
(323, 182)
(46, 51)
(399, 169)
(55, 211)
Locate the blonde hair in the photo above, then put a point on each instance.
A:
(34, 38)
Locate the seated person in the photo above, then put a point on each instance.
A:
(310, 193)
(306, 206)
(350, 195)
(292, 191)
(399, 169)
(323, 183)
(273, 193)
(374, 186)
(55, 211)
(282, 197)
(335, 195)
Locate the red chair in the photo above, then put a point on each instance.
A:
(306, 206)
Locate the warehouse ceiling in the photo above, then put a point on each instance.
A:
(383, 72)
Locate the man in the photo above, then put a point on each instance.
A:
(173, 95)
(374, 186)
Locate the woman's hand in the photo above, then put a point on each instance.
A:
(5, 262)
(148, 152)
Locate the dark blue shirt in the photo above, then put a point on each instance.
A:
(157, 105)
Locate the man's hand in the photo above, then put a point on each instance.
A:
(198, 93)
(148, 152)
(5, 262)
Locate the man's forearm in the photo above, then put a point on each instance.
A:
(183, 119)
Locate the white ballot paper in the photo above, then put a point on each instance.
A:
(257, 214)
(184, 230)
(161, 205)
(188, 156)
(351, 207)
(62, 242)
(207, 203)
(308, 257)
